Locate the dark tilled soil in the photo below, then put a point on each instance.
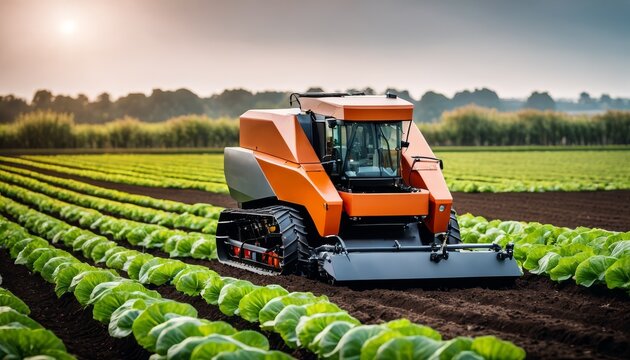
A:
(83, 336)
(608, 210)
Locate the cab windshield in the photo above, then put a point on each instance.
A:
(367, 149)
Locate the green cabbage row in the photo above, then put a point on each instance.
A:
(204, 210)
(168, 328)
(299, 318)
(588, 256)
(163, 182)
(24, 338)
(142, 166)
(128, 211)
(486, 186)
(177, 243)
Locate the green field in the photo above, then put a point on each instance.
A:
(509, 169)
(537, 170)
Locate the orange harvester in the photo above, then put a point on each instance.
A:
(346, 188)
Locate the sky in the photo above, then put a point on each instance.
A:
(513, 47)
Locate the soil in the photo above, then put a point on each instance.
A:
(608, 210)
(549, 320)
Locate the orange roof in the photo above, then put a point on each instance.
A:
(360, 108)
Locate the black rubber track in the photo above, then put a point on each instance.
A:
(454, 236)
(295, 249)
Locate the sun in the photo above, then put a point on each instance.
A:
(68, 27)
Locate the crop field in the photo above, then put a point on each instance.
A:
(117, 253)
(537, 171)
(497, 170)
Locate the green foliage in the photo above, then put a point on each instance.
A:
(47, 129)
(350, 345)
(270, 311)
(111, 301)
(8, 299)
(212, 290)
(10, 317)
(327, 340)
(586, 255)
(481, 126)
(492, 348)
(19, 343)
(252, 303)
(44, 129)
(154, 315)
(252, 355)
(593, 270)
(408, 347)
(618, 274)
(87, 283)
(309, 326)
(191, 281)
(122, 319)
(231, 295)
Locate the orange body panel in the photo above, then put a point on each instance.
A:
(309, 186)
(375, 204)
(277, 133)
(426, 174)
(360, 108)
(291, 166)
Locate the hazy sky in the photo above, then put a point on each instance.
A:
(513, 47)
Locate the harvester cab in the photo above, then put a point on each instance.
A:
(345, 188)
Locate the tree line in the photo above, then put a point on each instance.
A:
(467, 126)
(161, 105)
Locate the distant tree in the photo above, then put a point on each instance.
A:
(134, 105)
(164, 105)
(11, 107)
(369, 91)
(315, 89)
(432, 105)
(77, 106)
(621, 104)
(605, 99)
(102, 109)
(585, 98)
(270, 100)
(540, 101)
(480, 97)
(232, 102)
(42, 100)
